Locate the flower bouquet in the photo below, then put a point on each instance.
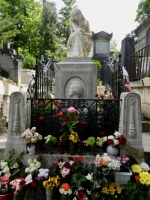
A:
(50, 185)
(91, 141)
(12, 166)
(50, 141)
(31, 138)
(65, 191)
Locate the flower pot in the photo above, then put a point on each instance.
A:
(122, 177)
(49, 194)
(31, 149)
(112, 150)
(64, 197)
(72, 148)
(6, 196)
(93, 150)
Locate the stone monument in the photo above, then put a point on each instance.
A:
(16, 123)
(130, 125)
(76, 75)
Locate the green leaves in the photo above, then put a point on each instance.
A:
(78, 179)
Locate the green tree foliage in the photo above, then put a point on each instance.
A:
(113, 47)
(143, 11)
(49, 42)
(64, 25)
(7, 24)
(27, 14)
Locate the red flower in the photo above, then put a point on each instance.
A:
(55, 165)
(122, 140)
(59, 114)
(81, 196)
(76, 112)
(22, 180)
(79, 159)
(37, 149)
(96, 95)
(64, 119)
(73, 170)
(102, 133)
(70, 157)
(136, 177)
(41, 118)
(67, 164)
(5, 179)
(102, 96)
(33, 183)
(80, 121)
(60, 160)
(110, 141)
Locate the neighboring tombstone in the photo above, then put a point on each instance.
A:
(127, 48)
(101, 46)
(130, 125)
(16, 123)
(79, 43)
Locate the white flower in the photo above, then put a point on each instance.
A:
(32, 169)
(29, 134)
(61, 164)
(61, 191)
(89, 176)
(30, 161)
(40, 137)
(38, 165)
(14, 166)
(145, 166)
(28, 179)
(6, 169)
(27, 169)
(117, 134)
(33, 129)
(105, 139)
(111, 137)
(3, 164)
(71, 162)
(7, 174)
(116, 142)
(32, 165)
(23, 134)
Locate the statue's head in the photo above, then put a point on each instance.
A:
(77, 14)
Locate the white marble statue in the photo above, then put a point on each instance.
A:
(79, 43)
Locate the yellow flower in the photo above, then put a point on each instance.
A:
(112, 190)
(144, 178)
(74, 137)
(105, 190)
(136, 168)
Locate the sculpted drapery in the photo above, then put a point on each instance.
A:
(79, 43)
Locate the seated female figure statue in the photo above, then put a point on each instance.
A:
(79, 43)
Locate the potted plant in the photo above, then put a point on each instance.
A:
(91, 141)
(69, 122)
(50, 141)
(65, 191)
(50, 184)
(31, 138)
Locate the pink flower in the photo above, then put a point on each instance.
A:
(72, 109)
(65, 171)
(118, 158)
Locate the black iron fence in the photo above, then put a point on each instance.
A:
(96, 117)
(140, 64)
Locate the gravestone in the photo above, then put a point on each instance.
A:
(130, 125)
(16, 123)
(76, 78)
